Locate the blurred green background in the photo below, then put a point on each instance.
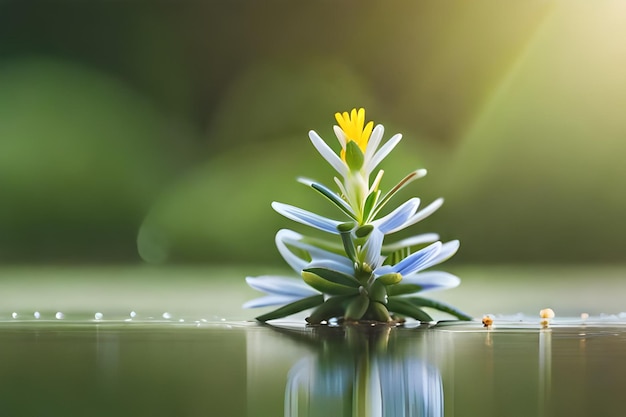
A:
(163, 130)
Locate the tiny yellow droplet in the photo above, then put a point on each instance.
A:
(546, 313)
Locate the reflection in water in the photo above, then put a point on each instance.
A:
(514, 370)
(545, 370)
(363, 371)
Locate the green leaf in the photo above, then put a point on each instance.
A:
(333, 307)
(446, 308)
(401, 289)
(354, 156)
(370, 203)
(357, 307)
(378, 292)
(326, 286)
(334, 198)
(378, 311)
(390, 279)
(348, 243)
(293, 308)
(335, 276)
(345, 227)
(363, 231)
(406, 308)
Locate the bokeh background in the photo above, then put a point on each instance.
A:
(160, 131)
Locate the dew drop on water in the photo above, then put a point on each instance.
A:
(133, 314)
(59, 315)
(36, 314)
(14, 315)
(167, 315)
(98, 316)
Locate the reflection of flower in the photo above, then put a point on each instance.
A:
(363, 382)
(360, 276)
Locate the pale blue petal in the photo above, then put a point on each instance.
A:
(328, 154)
(283, 286)
(270, 300)
(318, 254)
(295, 262)
(345, 265)
(411, 241)
(432, 280)
(425, 212)
(306, 217)
(383, 270)
(416, 261)
(448, 249)
(382, 153)
(397, 219)
(335, 266)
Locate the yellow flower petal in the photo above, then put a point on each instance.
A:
(352, 124)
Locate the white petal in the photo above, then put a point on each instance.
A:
(372, 144)
(306, 181)
(306, 217)
(340, 185)
(328, 154)
(411, 241)
(373, 247)
(382, 153)
(341, 137)
(376, 181)
(397, 219)
(432, 280)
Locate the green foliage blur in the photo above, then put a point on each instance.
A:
(162, 131)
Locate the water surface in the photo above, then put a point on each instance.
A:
(160, 367)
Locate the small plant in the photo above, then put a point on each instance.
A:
(358, 275)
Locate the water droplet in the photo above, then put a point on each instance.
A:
(181, 320)
(98, 316)
(203, 320)
(167, 315)
(133, 314)
(59, 315)
(36, 314)
(14, 315)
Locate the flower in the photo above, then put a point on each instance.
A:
(351, 129)
(360, 275)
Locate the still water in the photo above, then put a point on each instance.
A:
(166, 366)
